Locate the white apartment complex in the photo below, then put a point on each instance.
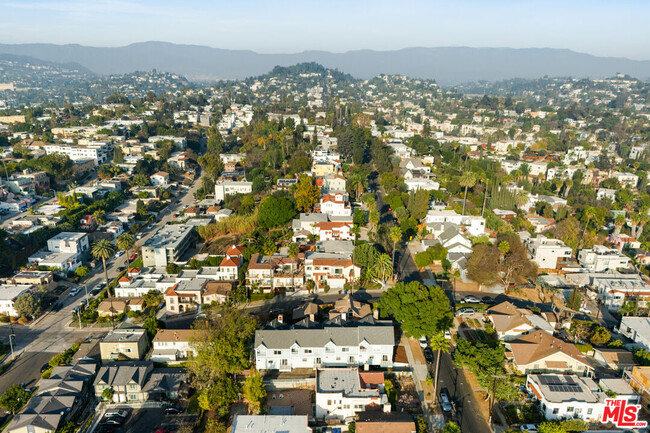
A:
(546, 253)
(475, 225)
(600, 258)
(231, 187)
(287, 349)
(99, 152)
(167, 245)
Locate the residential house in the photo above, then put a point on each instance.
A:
(130, 343)
(474, 225)
(511, 322)
(636, 329)
(540, 352)
(540, 224)
(44, 279)
(332, 183)
(600, 258)
(335, 205)
(8, 295)
(125, 379)
(615, 359)
(185, 296)
(567, 396)
(342, 392)
(374, 421)
(548, 253)
(275, 272)
(66, 242)
(270, 423)
(111, 307)
(167, 245)
(231, 187)
(331, 270)
(171, 345)
(355, 345)
(639, 380)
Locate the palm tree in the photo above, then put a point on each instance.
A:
(468, 179)
(104, 249)
(125, 242)
(373, 218)
(269, 249)
(293, 253)
(619, 222)
(521, 198)
(100, 216)
(440, 344)
(381, 267)
(395, 236)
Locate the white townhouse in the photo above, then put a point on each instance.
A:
(333, 183)
(8, 295)
(331, 269)
(342, 392)
(331, 346)
(567, 396)
(99, 152)
(68, 242)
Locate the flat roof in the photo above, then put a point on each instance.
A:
(169, 236)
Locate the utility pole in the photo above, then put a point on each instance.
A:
(485, 195)
(12, 336)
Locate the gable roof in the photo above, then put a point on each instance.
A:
(539, 345)
(124, 373)
(506, 316)
(341, 336)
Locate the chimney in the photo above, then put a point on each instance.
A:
(280, 318)
(375, 314)
(344, 316)
(312, 317)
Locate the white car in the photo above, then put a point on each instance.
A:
(585, 310)
(423, 342)
(469, 299)
(528, 427)
(75, 291)
(465, 312)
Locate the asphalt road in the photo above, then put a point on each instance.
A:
(56, 331)
(467, 414)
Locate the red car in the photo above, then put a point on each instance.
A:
(133, 256)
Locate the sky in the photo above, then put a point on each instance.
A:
(603, 28)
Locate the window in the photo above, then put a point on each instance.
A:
(345, 349)
(346, 406)
(384, 358)
(329, 402)
(358, 406)
(277, 352)
(589, 411)
(555, 411)
(133, 396)
(283, 362)
(132, 386)
(569, 409)
(307, 350)
(294, 350)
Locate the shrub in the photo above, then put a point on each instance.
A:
(584, 348)
(4, 318)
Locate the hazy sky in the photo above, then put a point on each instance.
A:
(611, 28)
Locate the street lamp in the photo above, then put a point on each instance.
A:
(12, 336)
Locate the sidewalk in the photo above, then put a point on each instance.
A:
(419, 371)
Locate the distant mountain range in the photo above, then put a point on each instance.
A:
(448, 66)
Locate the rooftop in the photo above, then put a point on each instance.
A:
(270, 424)
(342, 380)
(559, 388)
(170, 236)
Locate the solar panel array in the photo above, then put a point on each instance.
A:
(560, 384)
(564, 388)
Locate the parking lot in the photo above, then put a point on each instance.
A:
(151, 420)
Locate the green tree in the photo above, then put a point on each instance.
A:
(395, 236)
(421, 310)
(551, 427)
(219, 395)
(382, 267)
(294, 250)
(153, 298)
(81, 271)
(14, 398)
(125, 242)
(467, 180)
(28, 305)
(306, 194)
(254, 391)
(440, 344)
(100, 216)
(107, 394)
(574, 301)
(451, 427)
(151, 324)
(173, 268)
(600, 336)
(104, 249)
(275, 211)
(482, 265)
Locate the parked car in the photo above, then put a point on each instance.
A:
(75, 291)
(428, 355)
(121, 268)
(528, 427)
(45, 366)
(469, 299)
(585, 310)
(448, 334)
(173, 410)
(83, 301)
(133, 256)
(115, 421)
(445, 402)
(423, 341)
(465, 312)
(488, 300)
(117, 413)
(101, 286)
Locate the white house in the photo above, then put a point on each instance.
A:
(160, 178)
(636, 329)
(626, 179)
(331, 346)
(341, 392)
(170, 345)
(270, 423)
(606, 193)
(567, 396)
(546, 253)
(331, 269)
(8, 295)
(335, 205)
(600, 258)
(416, 183)
(67, 242)
(231, 187)
(474, 225)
